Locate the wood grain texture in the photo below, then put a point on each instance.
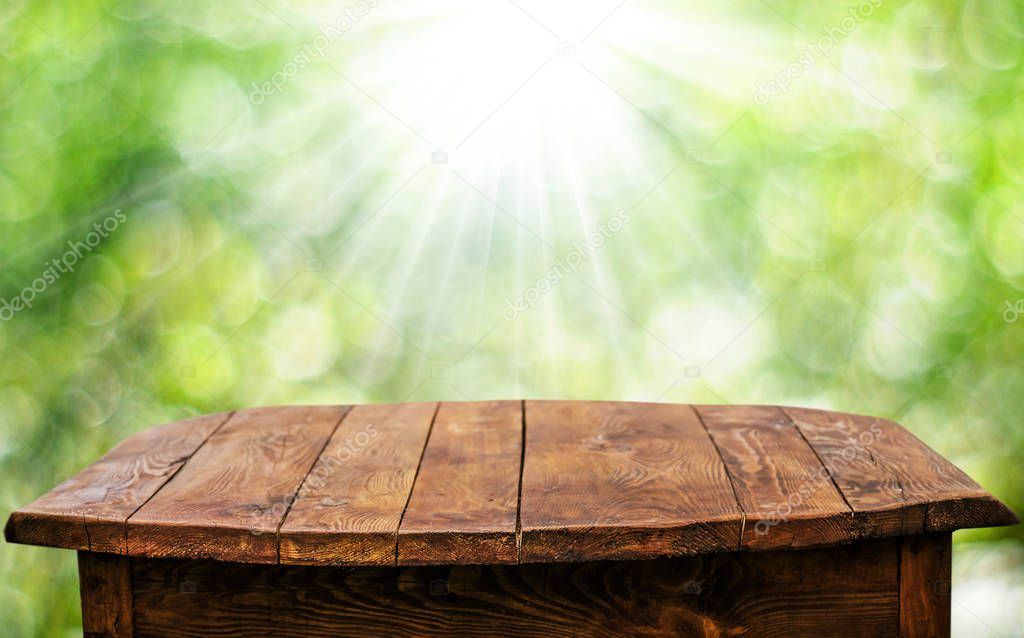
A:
(925, 572)
(105, 583)
(229, 500)
(616, 480)
(847, 591)
(600, 480)
(894, 483)
(88, 511)
(464, 503)
(349, 511)
(785, 492)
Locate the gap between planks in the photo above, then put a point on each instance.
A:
(519, 496)
(828, 470)
(412, 486)
(728, 475)
(170, 478)
(522, 467)
(295, 494)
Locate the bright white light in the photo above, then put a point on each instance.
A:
(487, 84)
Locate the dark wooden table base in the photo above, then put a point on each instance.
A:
(887, 587)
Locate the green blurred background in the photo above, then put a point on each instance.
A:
(337, 202)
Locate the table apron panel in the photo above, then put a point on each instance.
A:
(850, 590)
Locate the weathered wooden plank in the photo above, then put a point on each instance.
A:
(894, 483)
(463, 505)
(349, 510)
(88, 511)
(846, 591)
(925, 568)
(105, 583)
(785, 492)
(229, 500)
(614, 480)
(601, 481)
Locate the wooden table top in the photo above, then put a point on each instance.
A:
(454, 483)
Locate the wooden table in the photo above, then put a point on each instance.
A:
(511, 518)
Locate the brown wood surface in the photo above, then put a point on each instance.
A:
(105, 583)
(894, 483)
(788, 498)
(925, 571)
(348, 514)
(596, 480)
(88, 511)
(619, 480)
(463, 506)
(228, 502)
(847, 591)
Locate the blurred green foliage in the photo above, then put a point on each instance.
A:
(856, 241)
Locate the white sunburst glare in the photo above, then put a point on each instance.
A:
(524, 150)
(509, 131)
(561, 112)
(489, 91)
